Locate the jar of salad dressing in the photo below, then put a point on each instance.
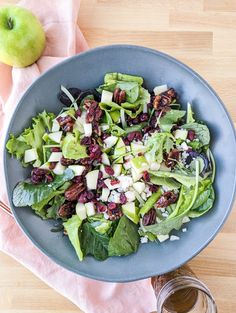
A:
(181, 291)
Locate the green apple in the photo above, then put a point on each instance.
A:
(22, 39)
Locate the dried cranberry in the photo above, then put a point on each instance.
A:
(83, 197)
(68, 127)
(126, 141)
(149, 218)
(123, 198)
(109, 170)
(148, 130)
(135, 121)
(172, 158)
(52, 165)
(146, 176)
(55, 149)
(90, 195)
(143, 117)
(114, 181)
(153, 188)
(78, 179)
(86, 141)
(101, 208)
(48, 178)
(111, 206)
(191, 135)
(78, 113)
(104, 136)
(153, 121)
(168, 197)
(95, 151)
(39, 175)
(131, 136)
(67, 162)
(100, 175)
(101, 184)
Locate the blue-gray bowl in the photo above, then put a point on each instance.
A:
(87, 70)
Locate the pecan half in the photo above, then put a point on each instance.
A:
(73, 192)
(149, 218)
(172, 158)
(164, 99)
(66, 209)
(119, 95)
(66, 123)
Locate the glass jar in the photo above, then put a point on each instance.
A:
(181, 292)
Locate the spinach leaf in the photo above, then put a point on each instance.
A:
(170, 118)
(204, 201)
(72, 226)
(125, 239)
(27, 194)
(185, 180)
(165, 181)
(93, 242)
(201, 131)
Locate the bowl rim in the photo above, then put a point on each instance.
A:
(68, 60)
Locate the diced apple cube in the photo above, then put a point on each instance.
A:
(105, 159)
(92, 179)
(87, 129)
(81, 210)
(59, 169)
(56, 136)
(106, 96)
(110, 141)
(77, 169)
(90, 208)
(117, 169)
(105, 194)
(55, 126)
(30, 155)
(55, 157)
(159, 89)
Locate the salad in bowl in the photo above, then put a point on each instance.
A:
(118, 166)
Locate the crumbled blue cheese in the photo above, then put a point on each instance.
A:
(184, 230)
(125, 182)
(184, 146)
(114, 197)
(173, 238)
(165, 214)
(144, 239)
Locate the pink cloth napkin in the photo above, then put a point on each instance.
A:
(64, 39)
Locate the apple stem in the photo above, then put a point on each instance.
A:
(10, 23)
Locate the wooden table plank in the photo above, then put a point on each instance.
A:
(202, 34)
